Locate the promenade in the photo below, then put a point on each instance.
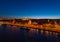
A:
(29, 25)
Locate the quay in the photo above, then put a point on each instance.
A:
(29, 25)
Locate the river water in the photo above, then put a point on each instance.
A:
(18, 34)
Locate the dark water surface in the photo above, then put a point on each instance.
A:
(18, 34)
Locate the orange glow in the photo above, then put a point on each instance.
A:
(33, 25)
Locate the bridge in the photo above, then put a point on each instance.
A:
(46, 27)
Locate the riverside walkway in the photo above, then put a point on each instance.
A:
(30, 26)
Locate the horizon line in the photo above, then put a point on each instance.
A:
(33, 17)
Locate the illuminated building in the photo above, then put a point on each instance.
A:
(29, 22)
(34, 23)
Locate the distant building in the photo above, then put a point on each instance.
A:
(13, 21)
(48, 20)
(25, 18)
(1, 18)
(29, 22)
(34, 23)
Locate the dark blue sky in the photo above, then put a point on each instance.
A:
(30, 8)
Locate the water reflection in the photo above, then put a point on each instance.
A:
(14, 34)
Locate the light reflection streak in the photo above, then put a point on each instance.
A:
(47, 33)
(41, 31)
(15, 28)
(50, 33)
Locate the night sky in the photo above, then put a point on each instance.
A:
(30, 8)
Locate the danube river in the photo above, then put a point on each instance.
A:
(18, 34)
